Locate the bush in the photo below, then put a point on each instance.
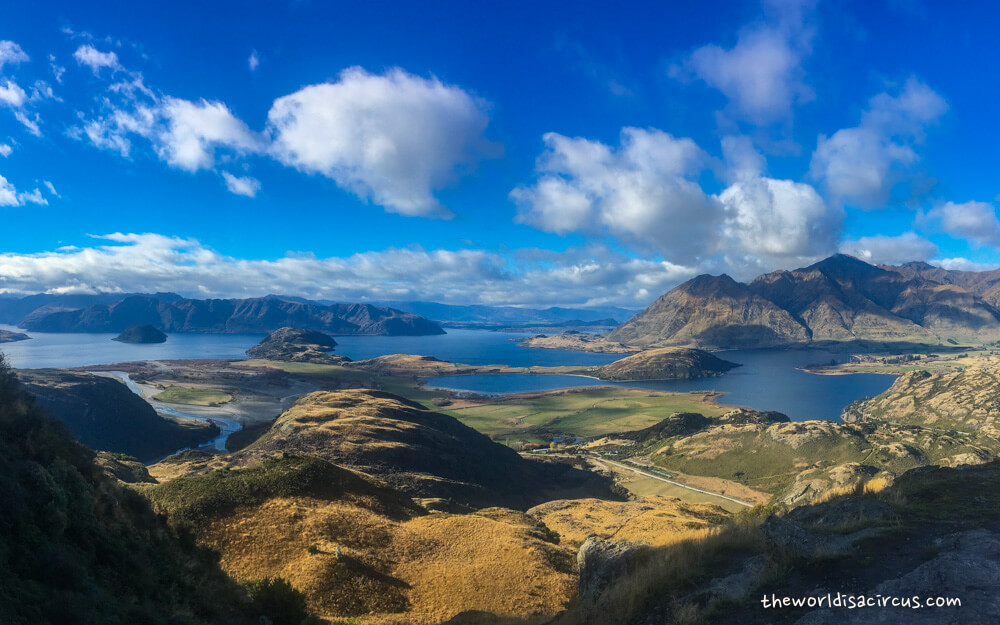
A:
(279, 601)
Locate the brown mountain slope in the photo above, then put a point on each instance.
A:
(356, 547)
(712, 311)
(837, 299)
(420, 452)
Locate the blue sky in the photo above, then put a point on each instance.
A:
(530, 153)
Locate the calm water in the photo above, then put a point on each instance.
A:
(471, 347)
(768, 380)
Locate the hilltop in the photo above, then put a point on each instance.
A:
(576, 340)
(141, 333)
(667, 363)
(415, 450)
(296, 345)
(840, 299)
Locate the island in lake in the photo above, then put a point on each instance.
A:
(141, 333)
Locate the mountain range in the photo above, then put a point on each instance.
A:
(231, 316)
(839, 299)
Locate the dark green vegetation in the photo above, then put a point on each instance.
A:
(667, 363)
(294, 345)
(141, 333)
(6, 336)
(934, 532)
(262, 314)
(105, 415)
(76, 548)
(840, 299)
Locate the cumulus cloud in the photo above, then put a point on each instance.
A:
(393, 139)
(864, 163)
(9, 195)
(762, 73)
(12, 96)
(89, 56)
(5, 150)
(241, 185)
(778, 220)
(11, 54)
(644, 191)
(152, 262)
(973, 221)
(890, 250)
(194, 129)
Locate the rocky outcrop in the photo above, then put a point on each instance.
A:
(295, 345)
(141, 333)
(603, 561)
(666, 363)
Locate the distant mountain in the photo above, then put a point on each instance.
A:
(231, 316)
(14, 309)
(837, 299)
(505, 316)
(985, 284)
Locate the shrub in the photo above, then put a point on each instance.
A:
(276, 599)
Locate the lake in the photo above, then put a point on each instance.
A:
(768, 379)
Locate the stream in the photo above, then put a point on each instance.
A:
(228, 426)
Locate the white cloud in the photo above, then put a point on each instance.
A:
(393, 138)
(644, 192)
(762, 73)
(12, 95)
(96, 60)
(253, 61)
(973, 221)
(778, 220)
(57, 70)
(9, 195)
(890, 250)
(5, 150)
(864, 163)
(11, 54)
(195, 129)
(153, 262)
(963, 264)
(244, 185)
(51, 187)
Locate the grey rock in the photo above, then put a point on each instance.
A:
(739, 584)
(850, 511)
(784, 534)
(967, 567)
(601, 561)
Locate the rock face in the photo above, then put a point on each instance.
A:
(105, 415)
(295, 345)
(666, 363)
(838, 299)
(603, 561)
(6, 336)
(141, 333)
(257, 315)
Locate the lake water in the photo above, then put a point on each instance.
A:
(471, 347)
(768, 379)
